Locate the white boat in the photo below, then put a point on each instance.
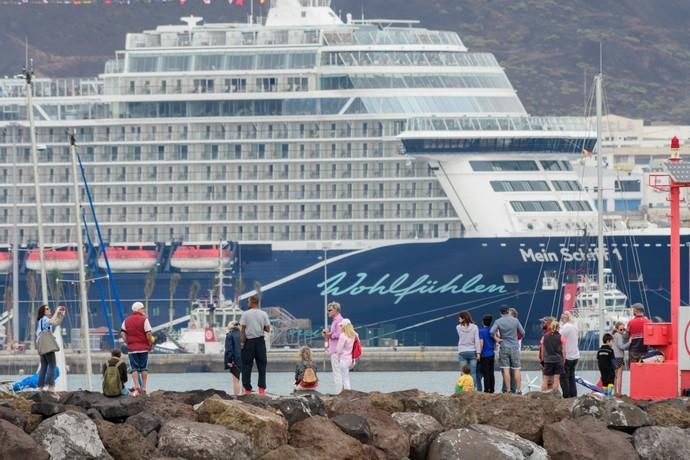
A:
(200, 259)
(55, 260)
(129, 259)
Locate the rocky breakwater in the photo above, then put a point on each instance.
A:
(210, 425)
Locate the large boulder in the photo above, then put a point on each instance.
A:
(83, 399)
(670, 414)
(16, 444)
(12, 415)
(483, 442)
(124, 442)
(192, 397)
(297, 408)
(586, 438)
(616, 413)
(145, 423)
(662, 443)
(386, 434)
(70, 435)
(319, 438)
(267, 429)
(118, 409)
(421, 428)
(286, 452)
(202, 441)
(47, 409)
(167, 409)
(354, 425)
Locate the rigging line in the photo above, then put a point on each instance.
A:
(536, 284)
(499, 297)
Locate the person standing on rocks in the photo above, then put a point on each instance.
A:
(233, 356)
(505, 331)
(552, 350)
(636, 330)
(47, 345)
(486, 360)
(343, 351)
(469, 345)
(571, 335)
(136, 333)
(330, 340)
(253, 324)
(620, 344)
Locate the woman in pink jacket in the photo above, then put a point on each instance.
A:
(344, 351)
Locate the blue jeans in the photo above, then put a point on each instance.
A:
(469, 358)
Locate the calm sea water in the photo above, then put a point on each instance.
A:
(281, 382)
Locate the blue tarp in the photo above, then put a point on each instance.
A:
(589, 385)
(31, 381)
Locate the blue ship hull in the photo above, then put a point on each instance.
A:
(411, 292)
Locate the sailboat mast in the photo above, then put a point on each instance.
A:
(600, 210)
(85, 345)
(28, 76)
(15, 246)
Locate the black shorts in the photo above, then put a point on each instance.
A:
(553, 368)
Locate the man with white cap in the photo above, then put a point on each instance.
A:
(136, 333)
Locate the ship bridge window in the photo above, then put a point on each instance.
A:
(143, 63)
(556, 165)
(627, 185)
(577, 206)
(566, 185)
(535, 206)
(519, 165)
(175, 63)
(519, 186)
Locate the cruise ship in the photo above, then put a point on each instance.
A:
(371, 162)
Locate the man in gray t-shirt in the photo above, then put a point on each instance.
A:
(253, 324)
(506, 330)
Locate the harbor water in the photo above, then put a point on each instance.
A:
(442, 382)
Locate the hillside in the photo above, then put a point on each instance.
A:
(548, 47)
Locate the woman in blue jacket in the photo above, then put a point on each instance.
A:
(233, 355)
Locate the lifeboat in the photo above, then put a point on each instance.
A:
(5, 261)
(129, 259)
(194, 258)
(64, 260)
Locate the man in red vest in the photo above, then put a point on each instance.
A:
(136, 332)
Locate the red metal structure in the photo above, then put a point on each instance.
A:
(664, 380)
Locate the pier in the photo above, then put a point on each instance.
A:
(373, 360)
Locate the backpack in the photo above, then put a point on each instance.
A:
(112, 383)
(356, 349)
(309, 376)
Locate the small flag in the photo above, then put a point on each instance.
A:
(239, 2)
(587, 153)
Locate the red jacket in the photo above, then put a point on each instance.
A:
(136, 335)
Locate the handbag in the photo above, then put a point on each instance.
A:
(47, 343)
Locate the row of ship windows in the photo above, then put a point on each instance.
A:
(224, 193)
(201, 212)
(248, 232)
(535, 185)
(221, 131)
(291, 83)
(550, 206)
(521, 165)
(408, 58)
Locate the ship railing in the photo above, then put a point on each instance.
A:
(520, 123)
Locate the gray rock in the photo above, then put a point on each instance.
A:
(119, 409)
(483, 442)
(47, 409)
(587, 438)
(70, 436)
(13, 416)
(355, 426)
(615, 413)
(41, 397)
(297, 408)
(16, 444)
(94, 414)
(145, 422)
(83, 399)
(152, 438)
(662, 443)
(202, 441)
(422, 430)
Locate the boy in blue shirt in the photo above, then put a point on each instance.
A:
(485, 369)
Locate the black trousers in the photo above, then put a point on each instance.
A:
(608, 377)
(487, 368)
(46, 373)
(568, 385)
(254, 350)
